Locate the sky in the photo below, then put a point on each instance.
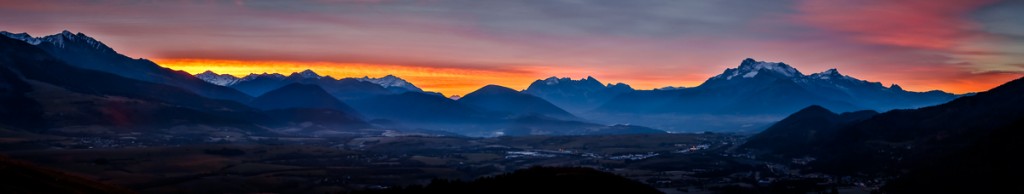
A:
(455, 47)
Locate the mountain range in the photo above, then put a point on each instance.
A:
(345, 88)
(389, 82)
(746, 98)
(79, 50)
(68, 82)
(773, 88)
(752, 95)
(73, 85)
(576, 95)
(756, 93)
(49, 94)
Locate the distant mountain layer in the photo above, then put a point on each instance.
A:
(42, 92)
(393, 83)
(490, 111)
(218, 79)
(344, 89)
(576, 95)
(501, 100)
(297, 95)
(85, 52)
(297, 103)
(257, 84)
(769, 88)
(956, 147)
(747, 98)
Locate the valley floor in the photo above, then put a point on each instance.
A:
(673, 163)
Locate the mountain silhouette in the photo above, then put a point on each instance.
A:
(89, 97)
(82, 51)
(393, 83)
(770, 88)
(344, 89)
(959, 146)
(576, 95)
(756, 92)
(506, 101)
(297, 95)
(800, 131)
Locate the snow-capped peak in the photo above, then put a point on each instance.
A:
(830, 74)
(309, 74)
(750, 68)
(218, 79)
(832, 71)
(827, 74)
(65, 37)
(750, 65)
(671, 88)
(253, 76)
(60, 40)
(567, 80)
(390, 81)
(23, 37)
(551, 80)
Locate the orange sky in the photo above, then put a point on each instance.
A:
(449, 81)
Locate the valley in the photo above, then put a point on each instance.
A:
(673, 163)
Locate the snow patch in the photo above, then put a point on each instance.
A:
(750, 75)
(551, 80)
(60, 40)
(218, 79)
(750, 68)
(390, 81)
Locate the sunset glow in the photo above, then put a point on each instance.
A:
(449, 81)
(446, 80)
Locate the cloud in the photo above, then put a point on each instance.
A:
(923, 43)
(921, 24)
(647, 44)
(1002, 18)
